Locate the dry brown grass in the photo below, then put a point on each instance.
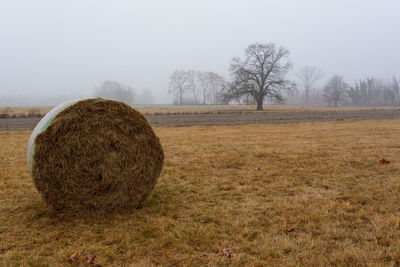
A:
(23, 112)
(248, 108)
(307, 194)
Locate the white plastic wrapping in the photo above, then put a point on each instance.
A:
(42, 126)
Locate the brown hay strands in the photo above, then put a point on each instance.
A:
(97, 155)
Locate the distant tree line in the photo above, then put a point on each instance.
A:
(337, 92)
(196, 87)
(117, 91)
(260, 76)
(256, 78)
(373, 92)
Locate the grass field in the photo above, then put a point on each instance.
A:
(23, 111)
(186, 109)
(306, 194)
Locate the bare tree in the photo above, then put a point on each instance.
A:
(261, 74)
(193, 84)
(197, 87)
(178, 84)
(335, 90)
(396, 89)
(204, 85)
(211, 86)
(217, 86)
(308, 76)
(116, 91)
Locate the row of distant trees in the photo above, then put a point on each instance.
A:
(375, 92)
(196, 87)
(336, 91)
(118, 91)
(261, 76)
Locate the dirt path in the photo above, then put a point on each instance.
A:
(12, 124)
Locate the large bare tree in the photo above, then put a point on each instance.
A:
(261, 74)
(335, 90)
(178, 84)
(308, 76)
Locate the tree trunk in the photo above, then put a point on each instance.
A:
(260, 104)
(307, 95)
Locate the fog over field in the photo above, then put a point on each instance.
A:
(55, 50)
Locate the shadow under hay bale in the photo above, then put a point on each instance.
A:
(96, 154)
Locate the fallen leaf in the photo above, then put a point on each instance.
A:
(227, 252)
(384, 161)
(90, 258)
(289, 230)
(73, 258)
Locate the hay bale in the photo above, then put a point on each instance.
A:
(94, 154)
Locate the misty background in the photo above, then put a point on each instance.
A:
(51, 51)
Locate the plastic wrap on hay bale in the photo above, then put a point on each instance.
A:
(94, 154)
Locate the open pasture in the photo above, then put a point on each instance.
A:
(303, 194)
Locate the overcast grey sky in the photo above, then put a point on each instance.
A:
(68, 46)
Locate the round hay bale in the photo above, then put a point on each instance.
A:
(94, 154)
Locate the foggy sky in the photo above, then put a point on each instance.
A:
(67, 47)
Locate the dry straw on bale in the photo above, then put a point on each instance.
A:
(96, 154)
